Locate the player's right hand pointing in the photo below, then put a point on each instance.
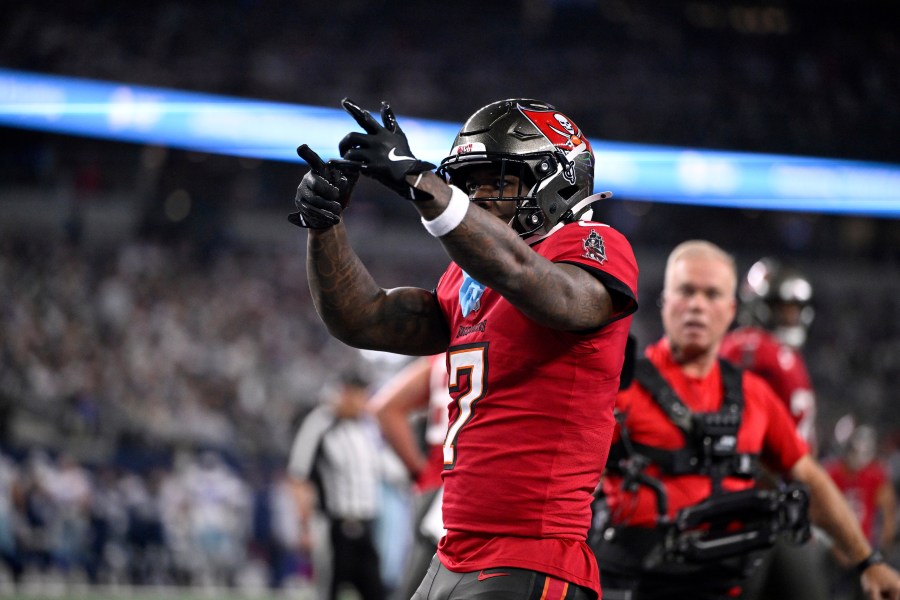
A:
(383, 152)
(324, 191)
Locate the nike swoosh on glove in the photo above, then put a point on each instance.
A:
(383, 152)
(392, 155)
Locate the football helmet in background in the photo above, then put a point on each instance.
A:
(540, 145)
(778, 298)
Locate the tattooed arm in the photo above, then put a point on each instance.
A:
(353, 307)
(359, 312)
(407, 320)
(560, 296)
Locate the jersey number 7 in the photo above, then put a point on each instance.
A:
(468, 384)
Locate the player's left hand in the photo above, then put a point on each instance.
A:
(383, 151)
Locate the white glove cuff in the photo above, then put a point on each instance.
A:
(452, 216)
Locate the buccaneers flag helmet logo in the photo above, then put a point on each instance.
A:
(557, 128)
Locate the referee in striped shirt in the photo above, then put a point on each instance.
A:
(336, 453)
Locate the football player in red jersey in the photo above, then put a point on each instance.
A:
(533, 315)
(776, 311)
(865, 482)
(692, 426)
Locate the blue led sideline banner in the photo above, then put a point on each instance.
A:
(272, 131)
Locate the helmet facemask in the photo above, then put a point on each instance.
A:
(531, 171)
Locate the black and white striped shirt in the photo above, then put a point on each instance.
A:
(344, 456)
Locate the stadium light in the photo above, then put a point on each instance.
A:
(272, 130)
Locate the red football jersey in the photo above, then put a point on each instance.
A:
(531, 418)
(860, 488)
(766, 429)
(783, 368)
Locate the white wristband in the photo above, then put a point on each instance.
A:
(452, 216)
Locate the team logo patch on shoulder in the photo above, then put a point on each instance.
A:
(594, 248)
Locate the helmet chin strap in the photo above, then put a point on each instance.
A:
(582, 211)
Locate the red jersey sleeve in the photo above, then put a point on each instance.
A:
(600, 250)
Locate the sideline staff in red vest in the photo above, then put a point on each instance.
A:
(698, 305)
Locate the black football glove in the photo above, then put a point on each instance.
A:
(382, 151)
(324, 191)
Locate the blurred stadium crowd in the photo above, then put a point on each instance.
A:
(799, 77)
(157, 337)
(126, 382)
